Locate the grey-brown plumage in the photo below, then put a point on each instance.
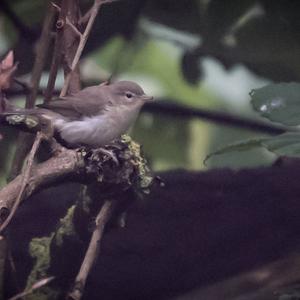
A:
(95, 115)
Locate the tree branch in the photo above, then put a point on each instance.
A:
(67, 162)
(24, 140)
(83, 40)
(24, 180)
(57, 55)
(37, 285)
(92, 251)
(41, 56)
(70, 10)
(173, 109)
(85, 166)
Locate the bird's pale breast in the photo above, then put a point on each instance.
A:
(98, 130)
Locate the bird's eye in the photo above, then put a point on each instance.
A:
(129, 95)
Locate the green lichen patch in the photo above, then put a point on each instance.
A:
(39, 249)
(29, 121)
(15, 119)
(66, 227)
(143, 176)
(121, 166)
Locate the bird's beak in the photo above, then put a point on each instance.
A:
(146, 98)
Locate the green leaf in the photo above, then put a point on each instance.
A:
(286, 144)
(278, 102)
(238, 146)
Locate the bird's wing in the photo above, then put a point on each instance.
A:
(87, 102)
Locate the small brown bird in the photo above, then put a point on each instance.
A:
(95, 115)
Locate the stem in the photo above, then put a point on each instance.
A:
(92, 252)
(83, 40)
(25, 179)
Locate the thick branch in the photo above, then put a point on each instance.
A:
(67, 162)
(88, 165)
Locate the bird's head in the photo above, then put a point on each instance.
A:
(128, 92)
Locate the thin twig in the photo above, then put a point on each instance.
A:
(13, 270)
(56, 58)
(57, 53)
(76, 31)
(25, 179)
(37, 285)
(84, 19)
(83, 39)
(41, 56)
(70, 9)
(68, 21)
(92, 251)
(24, 140)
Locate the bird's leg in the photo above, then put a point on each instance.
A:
(47, 129)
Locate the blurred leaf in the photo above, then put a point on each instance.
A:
(278, 102)
(238, 146)
(287, 144)
(183, 39)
